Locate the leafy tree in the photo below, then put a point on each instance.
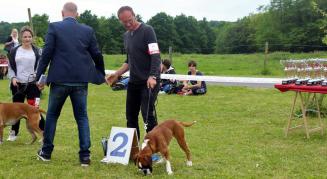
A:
(165, 30)
(208, 37)
(266, 30)
(221, 31)
(5, 29)
(189, 34)
(89, 19)
(103, 32)
(40, 24)
(323, 22)
(39, 42)
(115, 44)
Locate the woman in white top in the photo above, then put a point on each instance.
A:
(23, 60)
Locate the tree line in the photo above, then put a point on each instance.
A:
(287, 25)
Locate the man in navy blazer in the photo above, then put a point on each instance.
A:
(75, 60)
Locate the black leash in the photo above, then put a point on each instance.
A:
(147, 111)
(21, 91)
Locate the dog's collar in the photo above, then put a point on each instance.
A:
(151, 148)
(146, 142)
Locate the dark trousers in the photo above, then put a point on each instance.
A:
(138, 97)
(57, 97)
(30, 92)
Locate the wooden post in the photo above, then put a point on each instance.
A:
(30, 20)
(171, 54)
(266, 57)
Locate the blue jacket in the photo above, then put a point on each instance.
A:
(71, 50)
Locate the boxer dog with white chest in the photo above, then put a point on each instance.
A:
(157, 140)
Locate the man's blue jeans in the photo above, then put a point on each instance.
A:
(57, 98)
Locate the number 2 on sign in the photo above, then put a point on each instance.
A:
(118, 152)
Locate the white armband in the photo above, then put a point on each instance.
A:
(153, 48)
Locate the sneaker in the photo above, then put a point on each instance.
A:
(85, 161)
(162, 92)
(42, 156)
(155, 157)
(12, 137)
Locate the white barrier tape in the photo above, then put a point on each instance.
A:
(3, 65)
(218, 79)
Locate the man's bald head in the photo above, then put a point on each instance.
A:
(69, 10)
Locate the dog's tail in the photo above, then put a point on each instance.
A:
(187, 124)
(42, 111)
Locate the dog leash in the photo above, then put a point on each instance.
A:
(147, 111)
(20, 91)
(148, 107)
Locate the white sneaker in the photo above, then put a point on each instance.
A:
(12, 137)
(162, 92)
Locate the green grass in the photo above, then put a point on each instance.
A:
(240, 133)
(227, 65)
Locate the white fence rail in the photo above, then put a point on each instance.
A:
(238, 81)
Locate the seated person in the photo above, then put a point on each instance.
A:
(167, 85)
(195, 87)
(4, 68)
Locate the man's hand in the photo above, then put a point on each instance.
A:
(151, 83)
(112, 79)
(40, 86)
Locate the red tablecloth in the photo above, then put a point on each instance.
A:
(3, 61)
(302, 88)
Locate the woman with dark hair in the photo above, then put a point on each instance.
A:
(194, 87)
(23, 60)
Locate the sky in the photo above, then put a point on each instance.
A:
(220, 10)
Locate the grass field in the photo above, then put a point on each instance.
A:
(239, 134)
(227, 65)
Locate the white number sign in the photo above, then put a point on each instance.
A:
(120, 145)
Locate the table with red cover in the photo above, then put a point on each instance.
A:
(302, 88)
(299, 90)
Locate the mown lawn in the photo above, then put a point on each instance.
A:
(227, 65)
(240, 133)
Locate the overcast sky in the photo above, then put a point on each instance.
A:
(221, 10)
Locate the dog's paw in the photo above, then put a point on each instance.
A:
(189, 163)
(170, 172)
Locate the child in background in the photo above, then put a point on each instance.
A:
(194, 87)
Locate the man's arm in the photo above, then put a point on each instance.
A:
(123, 69)
(111, 79)
(154, 52)
(96, 54)
(47, 52)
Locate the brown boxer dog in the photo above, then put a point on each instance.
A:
(157, 140)
(10, 113)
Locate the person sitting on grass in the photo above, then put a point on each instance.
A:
(167, 85)
(194, 87)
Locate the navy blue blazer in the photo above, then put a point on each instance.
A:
(71, 50)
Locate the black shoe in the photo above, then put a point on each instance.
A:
(85, 161)
(44, 157)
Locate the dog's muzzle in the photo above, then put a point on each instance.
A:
(146, 171)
